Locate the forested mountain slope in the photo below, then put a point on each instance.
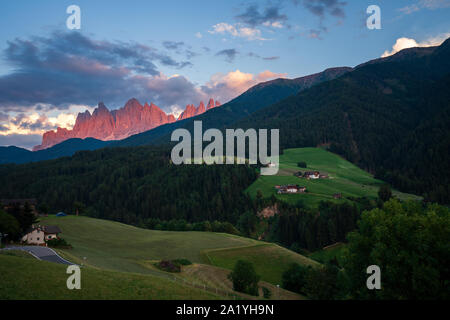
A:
(391, 117)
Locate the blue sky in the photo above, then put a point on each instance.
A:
(175, 53)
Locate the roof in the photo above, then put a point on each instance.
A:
(52, 229)
(46, 229)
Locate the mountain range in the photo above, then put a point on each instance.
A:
(119, 124)
(390, 116)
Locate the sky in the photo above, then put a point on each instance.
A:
(174, 53)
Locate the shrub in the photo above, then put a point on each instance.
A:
(302, 164)
(385, 193)
(266, 293)
(183, 262)
(294, 278)
(244, 278)
(9, 225)
(169, 266)
(58, 243)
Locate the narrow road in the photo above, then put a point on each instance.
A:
(41, 253)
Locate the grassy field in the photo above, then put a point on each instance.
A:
(344, 177)
(269, 260)
(25, 279)
(116, 246)
(215, 277)
(325, 255)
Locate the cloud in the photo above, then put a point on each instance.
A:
(229, 54)
(22, 140)
(315, 34)
(40, 119)
(173, 45)
(68, 68)
(237, 30)
(4, 117)
(425, 4)
(271, 17)
(321, 8)
(227, 86)
(198, 35)
(255, 55)
(405, 43)
(56, 76)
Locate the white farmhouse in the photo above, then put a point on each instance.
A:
(38, 235)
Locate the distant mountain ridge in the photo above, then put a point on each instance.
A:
(64, 149)
(119, 124)
(260, 96)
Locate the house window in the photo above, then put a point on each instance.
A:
(37, 239)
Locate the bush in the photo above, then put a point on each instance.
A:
(385, 193)
(302, 164)
(58, 243)
(9, 225)
(244, 278)
(294, 278)
(410, 243)
(183, 262)
(266, 293)
(169, 266)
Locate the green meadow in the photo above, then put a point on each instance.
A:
(269, 260)
(29, 279)
(115, 246)
(344, 178)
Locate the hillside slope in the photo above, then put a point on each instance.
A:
(343, 178)
(30, 279)
(120, 247)
(115, 246)
(390, 117)
(258, 97)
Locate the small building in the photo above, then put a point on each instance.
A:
(337, 196)
(311, 175)
(38, 235)
(290, 189)
(61, 214)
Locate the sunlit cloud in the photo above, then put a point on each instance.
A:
(237, 30)
(405, 43)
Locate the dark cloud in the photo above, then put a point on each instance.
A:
(71, 68)
(253, 17)
(255, 55)
(271, 58)
(322, 7)
(3, 117)
(173, 45)
(229, 54)
(191, 54)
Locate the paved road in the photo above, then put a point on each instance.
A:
(41, 253)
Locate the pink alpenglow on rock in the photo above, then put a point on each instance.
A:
(119, 124)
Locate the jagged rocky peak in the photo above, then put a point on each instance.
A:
(119, 124)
